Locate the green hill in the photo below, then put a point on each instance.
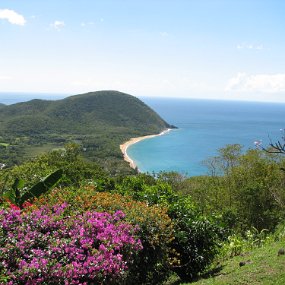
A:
(99, 121)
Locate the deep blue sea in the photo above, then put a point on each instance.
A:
(204, 127)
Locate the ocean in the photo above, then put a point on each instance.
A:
(9, 98)
(204, 126)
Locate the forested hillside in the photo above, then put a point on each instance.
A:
(98, 121)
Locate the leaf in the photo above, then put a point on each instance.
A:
(18, 184)
(10, 196)
(13, 195)
(4, 185)
(42, 186)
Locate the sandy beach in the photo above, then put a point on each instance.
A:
(132, 141)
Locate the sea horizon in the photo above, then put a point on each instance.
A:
(9, 98)
(204, 127)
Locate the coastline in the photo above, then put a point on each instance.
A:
(124, 146)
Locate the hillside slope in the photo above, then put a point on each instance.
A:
(262, 266)
(99, 121)
(76, 114)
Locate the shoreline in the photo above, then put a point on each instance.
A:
(124, 146)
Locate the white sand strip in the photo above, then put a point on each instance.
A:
(132, 141)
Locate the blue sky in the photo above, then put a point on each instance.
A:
(231, 49)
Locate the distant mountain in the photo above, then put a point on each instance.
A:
(99, 121)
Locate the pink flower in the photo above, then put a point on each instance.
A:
(45, 246)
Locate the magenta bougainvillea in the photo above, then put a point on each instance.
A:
(47, 247)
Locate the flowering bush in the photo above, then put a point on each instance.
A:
(153, 262)
(46, 246)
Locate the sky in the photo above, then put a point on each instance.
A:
(217, 49)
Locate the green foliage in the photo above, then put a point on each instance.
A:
(41, 187)
(152, 265)
(143, 187)
(15, 196)
(246, 188)
(98, 121)
(196, 236)
(237, 244)
(75, 169)
(258, 184)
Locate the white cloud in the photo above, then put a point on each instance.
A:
(12, 17)
(58, 25)
(270, 83)
(250, 46)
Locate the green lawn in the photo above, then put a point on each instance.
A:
(264, 267)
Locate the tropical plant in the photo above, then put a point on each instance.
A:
(18, 195)
(46, 246)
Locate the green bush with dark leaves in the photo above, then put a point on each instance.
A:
(197, 236)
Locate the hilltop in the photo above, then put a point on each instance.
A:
(99, 121)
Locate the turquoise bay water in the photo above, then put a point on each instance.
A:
(204, 127)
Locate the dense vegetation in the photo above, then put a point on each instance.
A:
(68, 220)
(98, 121)
(180, 225)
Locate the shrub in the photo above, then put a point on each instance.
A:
(175, 234)
(152, 264)
(143, 188)
(47, 246)
(197, 236)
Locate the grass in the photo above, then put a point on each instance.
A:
(263, 266)
(33, 151)
(4, 144)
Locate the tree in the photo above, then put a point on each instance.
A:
(275, 147)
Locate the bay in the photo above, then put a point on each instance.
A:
(204, 127)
